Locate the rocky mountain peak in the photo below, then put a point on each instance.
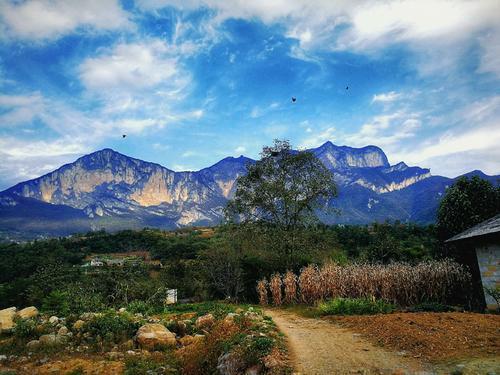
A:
(345, 157)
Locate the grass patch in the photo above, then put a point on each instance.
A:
(354, 306)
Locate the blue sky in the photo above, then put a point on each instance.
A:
(191, 82)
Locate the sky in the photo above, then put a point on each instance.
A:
(193, 81)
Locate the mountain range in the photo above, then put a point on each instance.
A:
(106, 189)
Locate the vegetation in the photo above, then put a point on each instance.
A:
(226, 264)
(281, 192)
(467, 203)
(354, 306)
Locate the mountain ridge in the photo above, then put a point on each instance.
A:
(114, 191)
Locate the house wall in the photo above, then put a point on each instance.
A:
(488, 258)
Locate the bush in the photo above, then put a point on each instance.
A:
(140, 307)
(354, 306)
(140, 365)
(112, 327)
(431, 307)
(25, 329)
(57, 303)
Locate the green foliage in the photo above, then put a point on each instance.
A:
(25, 329)
(467, 203)
(141, 307)
(56, 303)
(258, 348)
(431, 307)
(494, 292)
(354, 306)
(136, 365)
(282, 192)
(218, 309)
(112, 326)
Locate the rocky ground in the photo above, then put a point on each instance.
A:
(231, 340)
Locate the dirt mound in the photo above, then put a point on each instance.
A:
(432, 336)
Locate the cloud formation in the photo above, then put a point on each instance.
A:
(50, 19)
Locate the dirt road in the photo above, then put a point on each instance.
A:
(320, 347)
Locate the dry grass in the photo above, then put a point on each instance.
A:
(399, 283)
(275, 287)
(262, 291)
(290, 283)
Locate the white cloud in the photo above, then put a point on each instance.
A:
(386, 97)
(490, 59)
(240, 150)
(129, 66)
(436, 29)
(27, 159)
(51, 19)
(315, 140)
(19, 109)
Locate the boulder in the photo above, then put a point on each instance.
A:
(78, 325)
(153, 335)
(205, 321)
(7, 319)
(28, 312)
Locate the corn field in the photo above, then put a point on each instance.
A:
(398, 283)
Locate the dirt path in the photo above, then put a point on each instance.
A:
(319, 347)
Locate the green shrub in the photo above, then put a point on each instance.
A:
(112, 327)
(25, 329)
(217, 309)
(431, 307)
(354, 306)
(140, 365)
(57, 303)
(140, 307)
(258, 348)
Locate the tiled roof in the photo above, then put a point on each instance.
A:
(486, 227)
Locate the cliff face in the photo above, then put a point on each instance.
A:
(107, 184)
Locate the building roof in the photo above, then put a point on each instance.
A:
(486, 227)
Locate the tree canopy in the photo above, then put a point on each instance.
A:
(467, 203)
(283, 188)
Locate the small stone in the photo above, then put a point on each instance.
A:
(205, 321)
(47, 340)
(3, 357)
(78, 325)
(122, 310)
(186, 340)
(254, 370)
(33, 345)
(459, 369)
(63, 331)
(113, 356)
(53, 320)
(127, 345)
(181, 328)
